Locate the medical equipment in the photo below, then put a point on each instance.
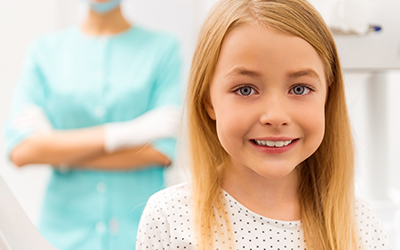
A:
(16, 230)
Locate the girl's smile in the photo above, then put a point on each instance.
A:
(267, 96)
(274, 146)
(271, 143)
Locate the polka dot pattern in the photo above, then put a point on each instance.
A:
(166, 223)
(371, 233)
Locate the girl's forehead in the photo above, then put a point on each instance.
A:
(257, 49)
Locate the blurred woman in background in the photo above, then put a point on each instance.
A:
(98, 102)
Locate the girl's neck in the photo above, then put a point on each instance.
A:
(110, 23)
(272, 198)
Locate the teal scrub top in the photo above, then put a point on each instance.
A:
(83, 81)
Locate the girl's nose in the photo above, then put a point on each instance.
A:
(275, 112)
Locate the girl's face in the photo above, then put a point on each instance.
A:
(267, 96)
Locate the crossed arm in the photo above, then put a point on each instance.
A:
(84, 148)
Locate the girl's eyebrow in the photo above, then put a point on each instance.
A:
(242, 71)
(304, 72)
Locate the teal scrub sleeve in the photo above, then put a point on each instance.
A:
(29, 91)
(168, 91)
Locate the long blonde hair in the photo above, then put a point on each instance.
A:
(326, 187)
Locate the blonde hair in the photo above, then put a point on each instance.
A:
(326, 186)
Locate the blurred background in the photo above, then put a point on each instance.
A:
(368, 37)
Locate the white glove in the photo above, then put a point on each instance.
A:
(32, 118)
(155, 124)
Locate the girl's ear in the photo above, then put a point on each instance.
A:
(209, 107)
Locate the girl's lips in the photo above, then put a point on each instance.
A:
(276, 138)
(275, 146)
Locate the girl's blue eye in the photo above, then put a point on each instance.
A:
(246, 91)
(300, 90)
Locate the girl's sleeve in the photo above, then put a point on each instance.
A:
(371, 232)
(168, 89)
(28, 95)
(154, 230)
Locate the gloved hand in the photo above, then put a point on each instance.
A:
(32, 118)
(155, 124)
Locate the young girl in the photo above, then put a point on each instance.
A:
(270, 143)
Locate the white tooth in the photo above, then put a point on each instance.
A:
(273, 143)
(270, 143)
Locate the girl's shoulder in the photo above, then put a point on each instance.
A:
(166, 221)
(370, 228)
(169, 198)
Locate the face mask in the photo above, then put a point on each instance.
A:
(103, 7)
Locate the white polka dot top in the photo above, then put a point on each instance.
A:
(166, 223)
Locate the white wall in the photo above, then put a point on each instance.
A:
(21, 21)
(370, 178)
